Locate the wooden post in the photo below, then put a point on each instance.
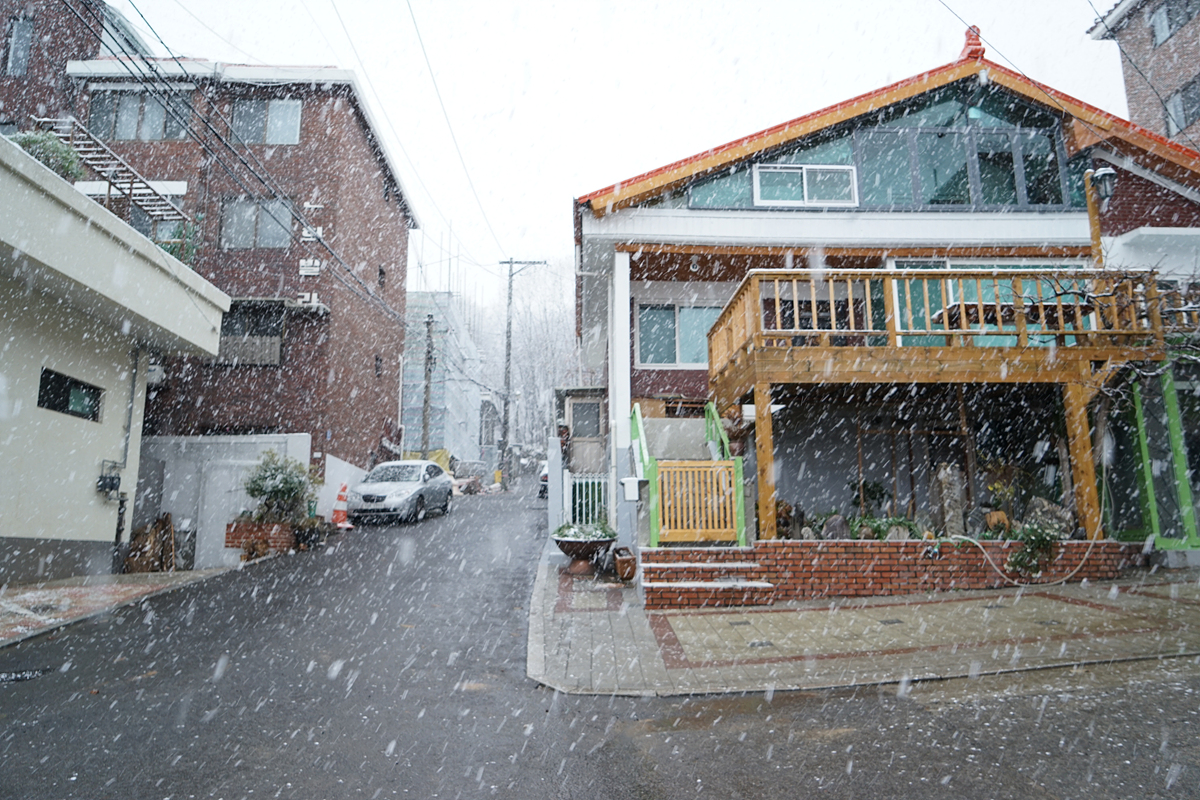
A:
(764, 447)
(1083, 467)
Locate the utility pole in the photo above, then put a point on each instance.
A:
(427, 405)
(505, 459)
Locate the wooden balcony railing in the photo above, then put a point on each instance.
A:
(942, 308)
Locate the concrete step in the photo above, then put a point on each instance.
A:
(663, 595)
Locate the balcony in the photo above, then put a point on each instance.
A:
(1067, 326)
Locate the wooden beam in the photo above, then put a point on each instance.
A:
(764, 448)
(1083, 468)
(1014, 251)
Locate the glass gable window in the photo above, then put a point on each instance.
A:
(942, 169)
(247, 223)
(132, 115)
(669, 334)
(266, 121)
(964, 145)
(886, 169)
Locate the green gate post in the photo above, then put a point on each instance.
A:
(1183, 485)
(1145, 472)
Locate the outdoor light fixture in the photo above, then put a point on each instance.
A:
(695, 265)
(1105, 181)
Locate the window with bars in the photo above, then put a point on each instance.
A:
(1183, 107)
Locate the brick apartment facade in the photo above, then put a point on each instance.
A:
(1160, 45)
(311, 345)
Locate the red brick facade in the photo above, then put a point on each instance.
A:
(804, 570)
(1138, 203)
(339, 375)
(1167, 68)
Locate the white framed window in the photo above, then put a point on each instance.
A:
(674, 336)
(805, 185)
(267, 121)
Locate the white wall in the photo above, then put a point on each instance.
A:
(337, 472)
(202, 479)
(49, 461)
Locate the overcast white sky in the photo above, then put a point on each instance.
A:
(550, 100)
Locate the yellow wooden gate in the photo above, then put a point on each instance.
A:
(697, 501)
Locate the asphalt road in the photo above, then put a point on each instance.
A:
(392, 664)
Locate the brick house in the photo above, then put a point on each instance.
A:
(1160, 47)
(888, 305)
(314, 339)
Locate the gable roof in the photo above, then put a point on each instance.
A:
(1086, 126)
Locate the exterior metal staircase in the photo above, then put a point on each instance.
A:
(112, 168)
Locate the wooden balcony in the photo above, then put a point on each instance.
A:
(934, 326)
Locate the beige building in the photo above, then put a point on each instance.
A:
(85, 301)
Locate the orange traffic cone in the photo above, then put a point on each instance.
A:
(339, 510)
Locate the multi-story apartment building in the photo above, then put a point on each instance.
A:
(455, 393)
(289, 198)
(1160, 49)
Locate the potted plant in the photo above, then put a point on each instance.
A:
(283, 488)
(584, 541)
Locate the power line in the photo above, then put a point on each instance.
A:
(1042, 89)
(1134, 64)
(184, 120)
(387, 118)
(449, 127)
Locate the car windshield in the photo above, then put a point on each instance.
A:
(394, 473)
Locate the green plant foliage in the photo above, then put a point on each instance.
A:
(282, 486)
(1037, 547)
(880, 525)
(874, 495)
(56, 156)
(187, 247)
(598, 530)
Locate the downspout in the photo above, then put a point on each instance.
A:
(112, 467)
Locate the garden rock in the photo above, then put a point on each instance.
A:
(808, 533)
(835, 527)
(898, 533)
(1050, 516)
(865, 532)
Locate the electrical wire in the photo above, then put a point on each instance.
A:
(387, 118)
(1099, 134)
(184, 120)
(449, 127)
(1129, 58)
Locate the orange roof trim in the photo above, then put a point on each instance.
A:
(649, 184)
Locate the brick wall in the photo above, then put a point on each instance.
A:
(1137, 202)
(1168, 67)
(802, 570)
(58, 36)
(279, 537)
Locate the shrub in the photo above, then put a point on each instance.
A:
(1037, 547)
(46, 148)
(283, 488)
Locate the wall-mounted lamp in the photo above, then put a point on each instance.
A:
(1105, 181)
(695, 265)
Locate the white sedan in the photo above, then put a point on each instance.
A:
(400, 490)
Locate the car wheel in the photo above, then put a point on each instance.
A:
(446, 507)
(419, 510)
